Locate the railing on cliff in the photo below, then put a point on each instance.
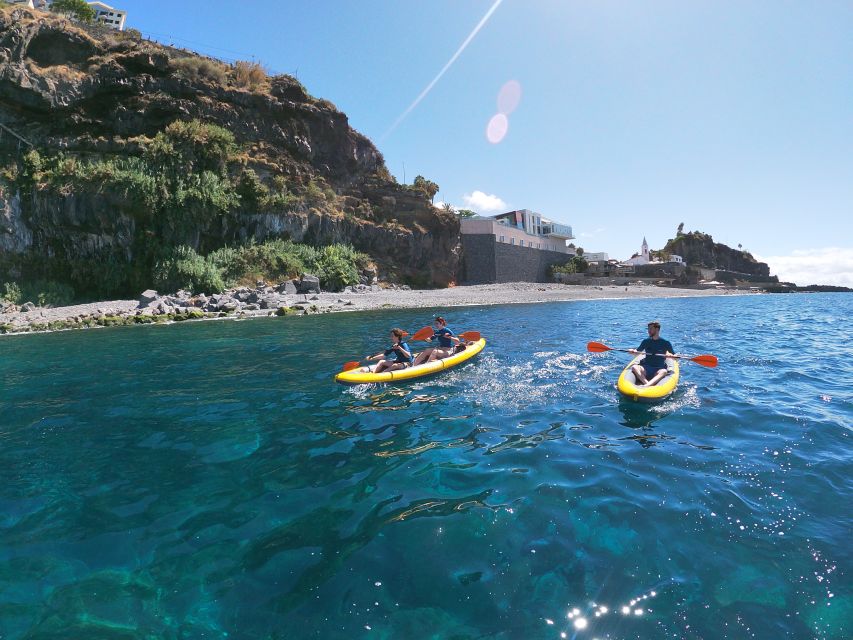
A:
(4, 128)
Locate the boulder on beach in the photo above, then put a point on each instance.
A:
(309, 284)
(147, 297)
(287, 288)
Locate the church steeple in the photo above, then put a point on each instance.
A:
(645, 248)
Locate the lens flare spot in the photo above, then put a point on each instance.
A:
(508, 97)
(497, 128)
(581, 623)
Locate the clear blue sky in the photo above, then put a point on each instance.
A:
(735, 118)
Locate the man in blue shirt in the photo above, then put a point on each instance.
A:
(652, 369)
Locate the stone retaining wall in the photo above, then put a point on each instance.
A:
(486, 261)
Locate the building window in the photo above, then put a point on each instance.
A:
(503, 239)
(512, 240)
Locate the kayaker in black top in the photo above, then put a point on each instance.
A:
(445, 339)
(397, 356)
(652, 369)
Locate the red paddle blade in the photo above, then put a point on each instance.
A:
(405, 334)
(472, 336)
(705, 361)
(349, 366)
(597, 347)
(423, 334)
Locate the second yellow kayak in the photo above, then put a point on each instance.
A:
(360, 376)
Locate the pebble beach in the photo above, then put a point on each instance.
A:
(264, 300)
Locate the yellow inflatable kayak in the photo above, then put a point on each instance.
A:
(626, 384)
(360, 376)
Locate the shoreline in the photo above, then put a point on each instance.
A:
(178, 308)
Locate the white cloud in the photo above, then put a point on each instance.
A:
(832, 265)
(484, 202)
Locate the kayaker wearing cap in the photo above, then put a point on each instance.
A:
(445, 339)
(652, 369)
(397, 356)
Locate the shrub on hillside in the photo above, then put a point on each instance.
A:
(250, 75)
(77, 9)
(11, 290)
(182, 268)
(183, 148)
(273, 260)
(40, 292)
(338, 266)
(576, 265)
(193, 68)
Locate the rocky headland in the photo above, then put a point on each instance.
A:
(115, 150)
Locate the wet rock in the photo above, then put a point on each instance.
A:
(27, 307)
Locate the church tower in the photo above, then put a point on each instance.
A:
(644, 251)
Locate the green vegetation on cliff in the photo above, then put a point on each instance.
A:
(187, 177)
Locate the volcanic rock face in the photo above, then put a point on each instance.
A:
(699, 250)
(95, 94)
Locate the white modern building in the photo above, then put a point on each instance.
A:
(104, 13)
(523, 228)
(109, 16)
(596, 256)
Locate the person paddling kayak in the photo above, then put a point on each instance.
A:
(445, 339)
(652, 369)
(397, 356)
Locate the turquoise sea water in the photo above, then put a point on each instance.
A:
(210, 480)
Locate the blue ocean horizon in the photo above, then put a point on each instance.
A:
(211, 480)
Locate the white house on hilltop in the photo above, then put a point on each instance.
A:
(108, 15)
(104, 13)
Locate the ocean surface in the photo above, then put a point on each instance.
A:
(211, 480)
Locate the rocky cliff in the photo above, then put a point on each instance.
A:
(700, 251)
(79, 96)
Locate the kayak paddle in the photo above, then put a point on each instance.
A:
(705, 360)
(426, 333)
(423, 334)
